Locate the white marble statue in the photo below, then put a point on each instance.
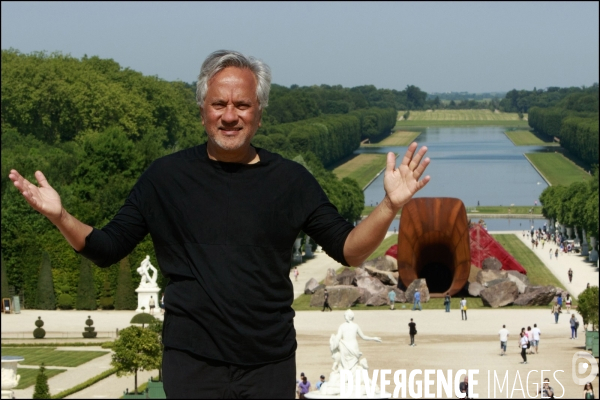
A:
(148, 281)
(346, 356)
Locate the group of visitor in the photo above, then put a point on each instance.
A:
(528, 340)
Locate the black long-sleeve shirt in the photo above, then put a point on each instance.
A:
(223, 233)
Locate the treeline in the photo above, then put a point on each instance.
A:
(574, 206)
(522, 100)
(93, 127)
(574, 120)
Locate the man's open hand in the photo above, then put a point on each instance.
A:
(402, 183)
(43, 199)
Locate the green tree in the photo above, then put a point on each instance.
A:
(125, 298)
(4, 279)
(45, 299)
(86, 289)
(136, 348)
(587, 306)
(156, 326)
(42, 391)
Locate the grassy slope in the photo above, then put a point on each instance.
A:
(558, 169)
(527, 138)
(398, 138)
(361, 168)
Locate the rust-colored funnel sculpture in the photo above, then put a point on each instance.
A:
(433, 243)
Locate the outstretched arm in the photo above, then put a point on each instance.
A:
(365, 337)
(45, 200)
(400, 185)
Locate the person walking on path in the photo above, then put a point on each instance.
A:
(523, 341)
(530, 340)
(412, 331)
(503, 333)
(463, 309)
(555, 310)
(559, 300)
(152, 305)
(296, 273)
(556, 254)
(550, 253)
(321, 381)
(574, 325)
(326, 301)
(392, 298)
(447, 301)
(568, 303)
(417, 301)
(536, 337)
(570, 273)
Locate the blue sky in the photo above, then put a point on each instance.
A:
(451, 46)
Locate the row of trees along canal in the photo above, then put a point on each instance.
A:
(94, 127)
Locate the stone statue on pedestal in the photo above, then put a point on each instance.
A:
(148, 280)
(346, 357)
(148, 288)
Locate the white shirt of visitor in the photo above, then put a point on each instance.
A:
(503, 334)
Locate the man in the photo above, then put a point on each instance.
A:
(321, 381)
(224, 216)
(392, 298)
(555, 310)
(417, 301)
(463, 309)
(570, 274)
(412, 331)
(326, 301)
(152, 305)
(464, 387)
(503, 333)
(447, 301)
(546, 390)
(559, 301)
(303, 387)
(536, 337)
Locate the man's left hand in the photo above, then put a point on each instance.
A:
(402, 183)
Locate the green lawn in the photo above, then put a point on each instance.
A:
(29, 375)
(537, 272)
(361, 168)
(52, 357)
(528, 138)
(558, 169)
(460, 118)
(398, 138)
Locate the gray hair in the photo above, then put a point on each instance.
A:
(222, 59)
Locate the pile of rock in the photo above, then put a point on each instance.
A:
(369, 284)
(499, 288)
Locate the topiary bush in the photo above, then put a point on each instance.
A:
(107, 303)
(65, 301)
(142, 318)
(39, 332)
(89, 329)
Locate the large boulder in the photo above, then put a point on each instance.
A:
(499, 295)
(491, 264)
(339, 296)
(382, 263)
(520, 283)
(386, 277)
(536, 296)
(473, 273)
(330, 277)
(311, 286)
(420, 284)
(371, 286)
(377, 300)
(484, 277)
(475, 289)
(400, 296)
(346, 277)
(495, 282)
(522, 277)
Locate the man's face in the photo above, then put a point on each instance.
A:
(230, 113)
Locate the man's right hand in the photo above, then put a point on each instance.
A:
(44, 199)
